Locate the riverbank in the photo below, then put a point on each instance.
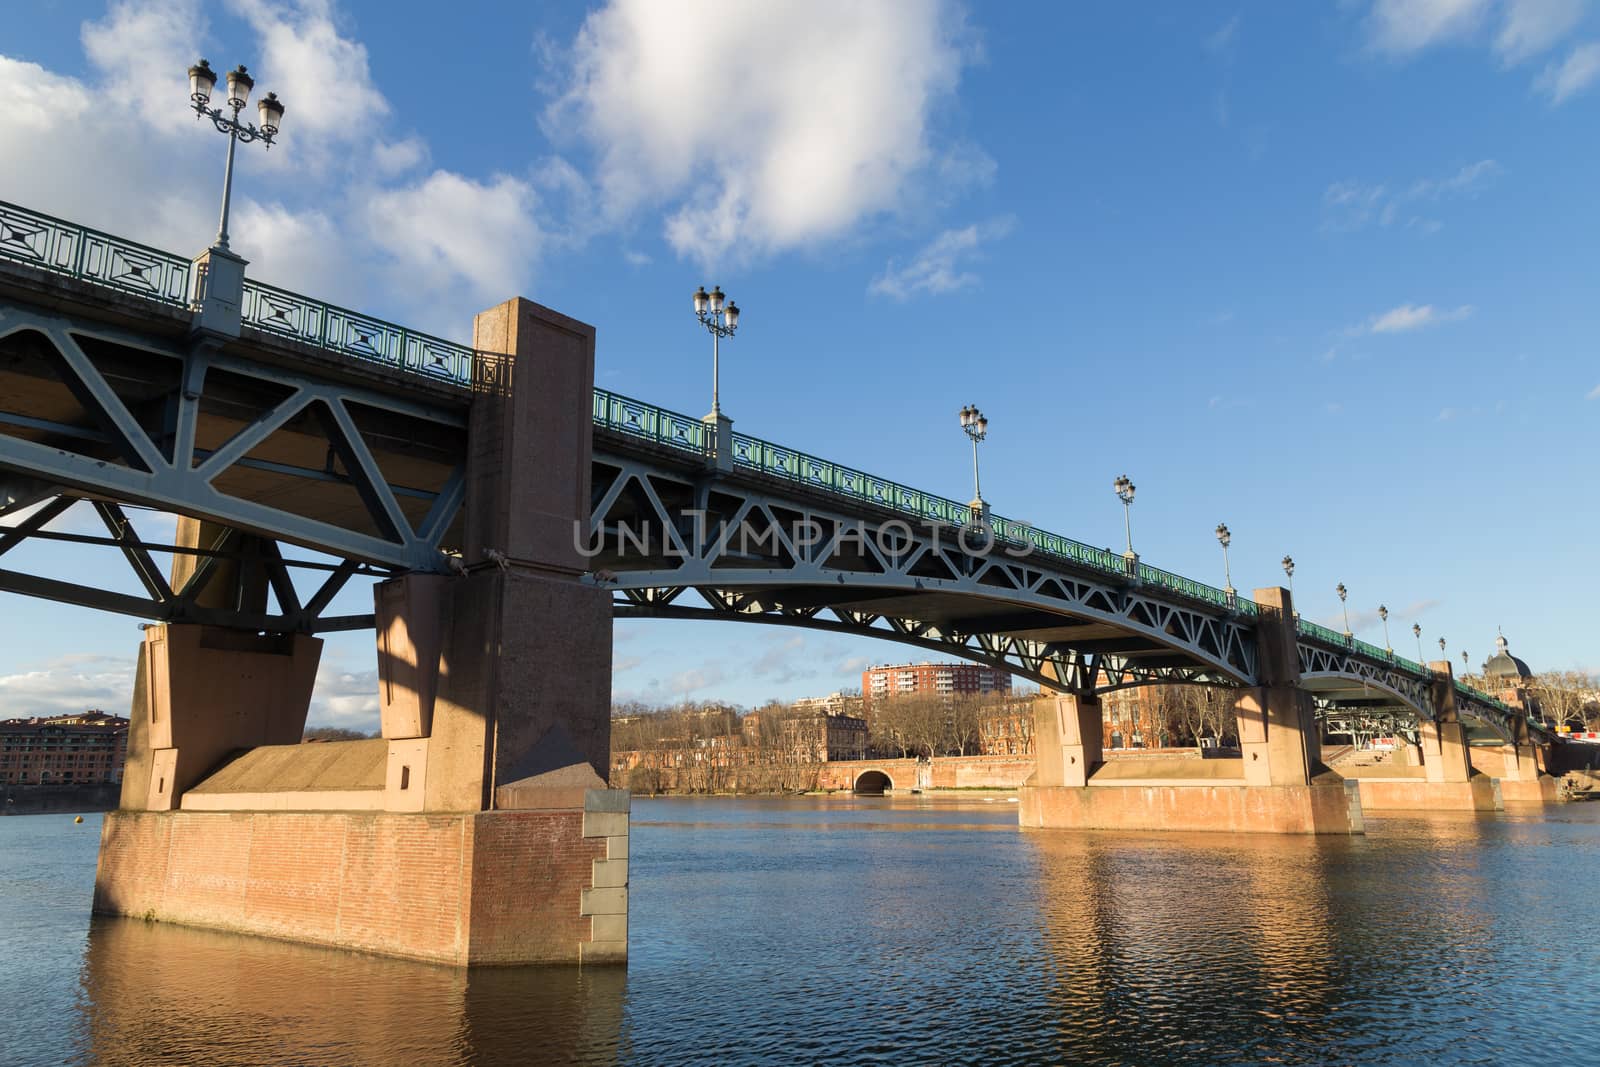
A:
(45, 799)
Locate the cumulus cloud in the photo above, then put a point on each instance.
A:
(1572, 75)
(447, 230)
(940, 265)
(810, 119)
(69, 684)
(345, 698)
(1408, 317)
(1593, 394)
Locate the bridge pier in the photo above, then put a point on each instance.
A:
(1446, 779)
(478, 829)
(1276, 787)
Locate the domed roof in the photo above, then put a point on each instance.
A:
(1504, 665)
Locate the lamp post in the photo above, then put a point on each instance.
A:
(1125, 490)
(1464, 663)
(1383, 613)
(1344, 608)
(720, 316)
(1225, 538)
(1416, 631)
(202, 79)
(976, 427)
(1441, 651)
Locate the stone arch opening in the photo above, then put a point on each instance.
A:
(873, 784)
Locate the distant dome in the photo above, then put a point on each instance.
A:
(1504, 665)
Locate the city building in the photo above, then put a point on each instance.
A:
(85, 748)
(941, 679)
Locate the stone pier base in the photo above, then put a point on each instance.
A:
(1479, 793)
(498, 887)
(1278, 809)
(1541, 790)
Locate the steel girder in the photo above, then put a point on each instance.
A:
(750, 554)
(162, 602)
(116, 457)
(1414, 693)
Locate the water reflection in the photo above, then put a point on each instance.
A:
(154, 993)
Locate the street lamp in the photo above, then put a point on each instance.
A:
(1225, 538)
(1288, 570)
(1383, 613)
(1344, 608)
(1125, 490)
(1441, 650)
(202, 79)
(1463, 662)
(1416, 631)
(720, 316)
(977, 428)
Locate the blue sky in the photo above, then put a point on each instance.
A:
(1325, 274)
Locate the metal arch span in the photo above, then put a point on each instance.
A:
(754, 555)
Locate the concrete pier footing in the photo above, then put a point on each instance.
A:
(478, 829)
(1277, 786)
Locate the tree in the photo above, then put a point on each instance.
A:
(334, 733)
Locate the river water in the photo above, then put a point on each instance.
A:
(887, 931)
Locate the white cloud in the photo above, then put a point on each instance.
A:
(322, 76)
(789, 124)
(344, 698)
(1401, 27)
(1221, 42)
(1523, 29)
(142, 50)
(1353, 205)
(1572, 75)
(939, 266)
(68, 684)
(1533, 26)
(1469, 181)
(1593, 394)
(447, 229)
(1414, 317)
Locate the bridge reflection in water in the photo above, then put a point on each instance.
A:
(906, 931)
(163, 993)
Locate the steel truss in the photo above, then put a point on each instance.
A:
(1394, 684)
(254, 556)
(151, 458)
(753, 555)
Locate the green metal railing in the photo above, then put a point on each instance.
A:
(62, 247)
(638, 419)
(79, 252)
(351, 333)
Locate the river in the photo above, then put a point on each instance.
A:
(887, 931)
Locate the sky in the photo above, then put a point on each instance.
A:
(1325, 273)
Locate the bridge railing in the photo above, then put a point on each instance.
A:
(351, 333)
(66, 248)
(638, 419)
(60, 247)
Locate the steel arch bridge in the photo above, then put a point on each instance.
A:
(332, 431)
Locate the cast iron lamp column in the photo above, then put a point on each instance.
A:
(720, 317)
(217, 296)
(976, 427)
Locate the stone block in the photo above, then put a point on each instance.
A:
(609, 874)
(610, 928)
(604, 902)
(604, 824)
(607, 800)
(617, 848)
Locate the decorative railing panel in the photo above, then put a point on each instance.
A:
(658, 425)
(78, 252)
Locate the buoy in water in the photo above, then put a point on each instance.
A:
(78, 819)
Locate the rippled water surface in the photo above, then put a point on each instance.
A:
(887, 932)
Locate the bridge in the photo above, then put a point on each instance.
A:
(492, 489)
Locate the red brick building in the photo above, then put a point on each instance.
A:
(940, 679)
(86, 748)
